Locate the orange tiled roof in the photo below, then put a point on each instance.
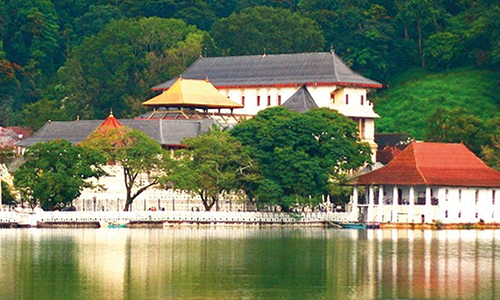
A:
(434, 164)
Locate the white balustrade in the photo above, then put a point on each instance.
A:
(173, 216)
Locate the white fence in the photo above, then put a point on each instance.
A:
(27, 218)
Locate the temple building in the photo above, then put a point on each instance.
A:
(261, 81)
(426, 183)
(224, 90)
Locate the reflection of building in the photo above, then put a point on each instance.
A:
(261, 81)
(430, 182)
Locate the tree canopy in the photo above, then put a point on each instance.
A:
(299, 154)
(116, 67)
(54, 173)
(136, 153)
(62, 59)
(215, 163)
(262, 29)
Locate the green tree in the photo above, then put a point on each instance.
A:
(7, 195)
(259, 30)
(16, 89)
(215, 163)
(117, 67)
(54, 173)
(31, 35)
(369, 42)
(36, 114)
(456, 126)
(442, 50)
(7, 153)
(136, 153)
(299, 154)
(418, 14)
(94, 20)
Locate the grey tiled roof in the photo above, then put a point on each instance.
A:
(301, 101)
(251, 70)
(165, 132)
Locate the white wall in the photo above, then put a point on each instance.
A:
(112, 197)
(456, 205)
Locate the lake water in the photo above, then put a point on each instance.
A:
(248, 263)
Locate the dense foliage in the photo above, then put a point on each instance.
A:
(300, 154)
(260, 30)
(54, 173)
(215, 163)
(60, 59)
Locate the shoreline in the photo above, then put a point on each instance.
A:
(174, 224)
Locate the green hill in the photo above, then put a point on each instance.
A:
(411, 97)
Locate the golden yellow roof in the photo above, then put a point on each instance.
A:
(192, 93)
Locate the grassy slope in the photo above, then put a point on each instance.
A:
(412, 97)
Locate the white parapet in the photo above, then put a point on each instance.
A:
(174, 217)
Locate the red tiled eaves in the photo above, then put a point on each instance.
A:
(365, 85)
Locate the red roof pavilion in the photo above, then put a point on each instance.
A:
(434, 164)
(111, 121)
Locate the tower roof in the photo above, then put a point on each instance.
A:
(301, 101)
(192, 93)
(434, 164)
(111, 122)
(319, 68)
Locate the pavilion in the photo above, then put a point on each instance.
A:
(429, 182)
(189, 98)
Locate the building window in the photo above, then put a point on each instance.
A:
(243, 100)
(446, 195)
(459, 195)
(279, 99)
(258, 100)
(493, 197)
(459, 214)
(268, 100)
(477, 214)
(346, 99)
(477, 196)
(446, 214)
(362, 100)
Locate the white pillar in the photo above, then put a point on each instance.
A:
(370, 204)
(428, 206)
(355, 203)
(380, 204)
(411, 207)
(395, 204)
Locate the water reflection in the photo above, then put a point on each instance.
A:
(247, 263)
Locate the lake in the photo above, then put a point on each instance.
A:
(248, 263)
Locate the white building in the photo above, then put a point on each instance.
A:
(426, 183)
(261, 81)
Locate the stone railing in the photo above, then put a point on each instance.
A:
(173, 217)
